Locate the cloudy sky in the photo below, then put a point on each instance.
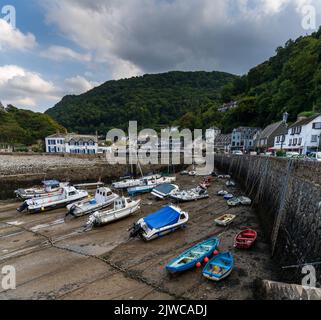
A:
(67, 47)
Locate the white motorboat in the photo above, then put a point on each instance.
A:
(164, 190)
(103, 198)
(66, 196)
(189, 195)
(123, 207)
(49, 188)
(129, 183)
(160, 223)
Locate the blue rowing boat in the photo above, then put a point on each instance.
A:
(219, 267)
(192, 256)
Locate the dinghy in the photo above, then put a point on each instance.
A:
(219, 267)
(189, 195)
(194, 255)
(149, 185)
(184, 173)
(66, 196)
(103, 198)
(123, 207)
(164, 190)
(160, 223)
(230, 183)
(192, 173)
(228, 196)
(49, 188)
(245, 239)
(234, 202)
(206, 183)
(245, 201)
(222, 193)
(225, 220)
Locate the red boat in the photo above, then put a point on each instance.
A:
(245, 239)
(206, 183)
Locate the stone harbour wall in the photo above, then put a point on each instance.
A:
(286, 194)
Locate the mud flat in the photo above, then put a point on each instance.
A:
(55, 259)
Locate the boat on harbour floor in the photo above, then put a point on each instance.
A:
(189, 195)
(225, 220)
(194, 255)
(129, 183)
(164, 190)
(103, 198)
(245, 239)
(123, 207)
(66, 196)
(219, 267)
(166, 220)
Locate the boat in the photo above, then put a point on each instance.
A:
(103, 198)
(225, 220)
(192, 173)
(245, 239)
(123, 207)
(194, 255)
(129, 183)
(228, 196)
(66, 196)
(224, 176)
(164, 190)
(245, 201)
(189, 195)
(222, 193)
(166, 220)
(234, 202)
(219, 267)
(230, 183)
(49, 188)
(206, 183)
(214, 174)
(184, 173)
(89, 186)
(149, 185)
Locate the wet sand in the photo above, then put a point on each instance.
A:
(55, 259)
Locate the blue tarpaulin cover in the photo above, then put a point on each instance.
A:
(165, 188)
(162, 218)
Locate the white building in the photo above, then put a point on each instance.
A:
(72, 143)
(302, 137)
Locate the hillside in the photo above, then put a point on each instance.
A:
(25, 127)
(290, 81)
(153, 100)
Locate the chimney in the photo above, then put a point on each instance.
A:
(285, 117)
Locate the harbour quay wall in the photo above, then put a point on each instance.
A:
(286, 195)
(24, 171)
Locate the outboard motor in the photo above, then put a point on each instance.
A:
(135, 231)
(23, 207)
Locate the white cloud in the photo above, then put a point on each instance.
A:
(24, 88)
(60, 53)
(78, 84)
(138, 36)
(14, 39)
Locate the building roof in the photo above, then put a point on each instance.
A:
(73, 136)
(304, 121)
(223, 138)
(269, 130)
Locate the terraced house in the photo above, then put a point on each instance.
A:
(72, 143)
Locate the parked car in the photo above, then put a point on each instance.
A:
(238, 153)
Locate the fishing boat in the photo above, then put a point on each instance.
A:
(245, 201)
(219, 267)
(222, 193)
(245, 239)
(166, 220)
(103, 198)
(228, 196)
(225, 220)
(149, 185)
(66, 196)
(123, 207)
(234, 202)
(129, 183)
(189, 195)
(164, 190)
(194, 255)
(49, 188)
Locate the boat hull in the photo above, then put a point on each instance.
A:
(245, 239)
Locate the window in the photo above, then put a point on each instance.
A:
(278, 138)
(298, 130)
(295, 141)
(300, 141)
(283, 138)
(317, 125)
(290, 142)
(314, 138)
(293, 131)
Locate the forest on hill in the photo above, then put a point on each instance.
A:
(154, 101)
(19, 126)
